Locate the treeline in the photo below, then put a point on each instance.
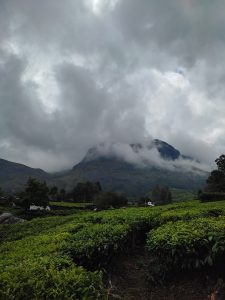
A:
(159, 195)
(39, 194)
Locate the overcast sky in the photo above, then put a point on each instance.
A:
(74, 73)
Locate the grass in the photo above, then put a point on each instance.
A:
(71, 204)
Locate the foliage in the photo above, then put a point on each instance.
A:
(71, 204)
(35, 193)
(209, 196)
(216, 180)
(84, 192)
(36, 269)
(188, 245)
(143, 201)
(95, 245)
(110, 199)
(1, 192)
(161, 195)
(221, 163)
(53, 193)
(182, 195)
(39, 258)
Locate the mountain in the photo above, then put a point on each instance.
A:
(13, 176)
(105, 151)
(134, 169)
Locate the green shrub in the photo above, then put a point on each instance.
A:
(210, 197)
(38, 268)
(43, 280)
(188, 245)
(39, 258)
(94, 245)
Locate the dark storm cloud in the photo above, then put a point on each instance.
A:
(76, 73)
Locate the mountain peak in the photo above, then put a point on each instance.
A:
(166, 150)
(114, 150)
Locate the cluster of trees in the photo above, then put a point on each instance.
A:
(215, 184)
(109, 199)
(161, 195)
(37, 193)
(85, 191)
(216, 180)
(82, 192)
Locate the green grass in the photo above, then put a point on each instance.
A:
(71, 204)
(182, 195)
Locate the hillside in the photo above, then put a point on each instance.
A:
(135, 169)
(13, 175)
(131, 169)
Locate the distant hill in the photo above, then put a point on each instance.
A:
(13, 176)
(132, 169)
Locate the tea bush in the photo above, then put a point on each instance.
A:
(188, 245)
(61, 257)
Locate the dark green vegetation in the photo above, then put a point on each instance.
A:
(85, 191)
(215, 188)
(70, 205)
(35, 193)
(109, 199)
(63, 257)
(161, 195)
(125, 178)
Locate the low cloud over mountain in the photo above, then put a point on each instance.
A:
(155, 153)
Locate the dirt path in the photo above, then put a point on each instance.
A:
(128, 281)
(128, 278)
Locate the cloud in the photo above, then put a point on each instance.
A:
(76, 73)
(145, 156)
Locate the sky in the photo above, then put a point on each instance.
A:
(76, 73)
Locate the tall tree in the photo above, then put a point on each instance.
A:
(221, 163)
(53, 193)
(110, 199)
(1, 192)
(161, 195)
(216, 179)
(86, 191)
(35, 193)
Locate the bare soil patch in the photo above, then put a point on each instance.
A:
(128, 281)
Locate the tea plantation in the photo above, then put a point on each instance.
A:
(68, 257)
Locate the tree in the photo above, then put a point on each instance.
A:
(35, 193)
(1, 192)
(110, 199)
(161, 195)
(221, 163)
(143, 200)
(216, 182)
(86, 191)
(53, 192)
(216, 179)
(61, 195)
